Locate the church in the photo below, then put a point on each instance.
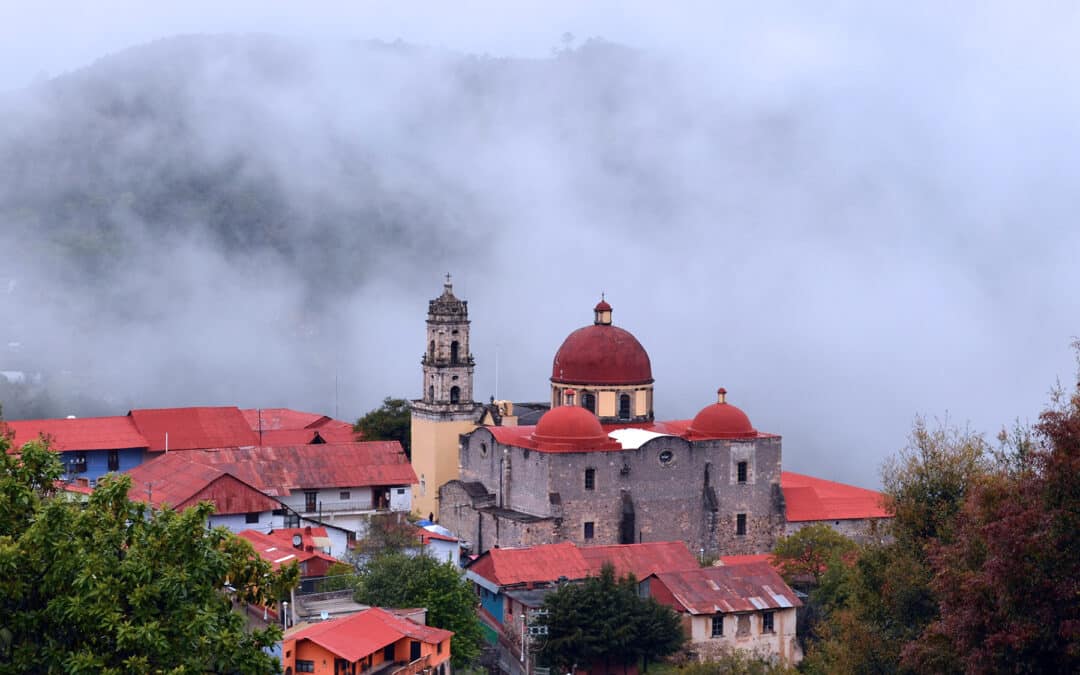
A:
(593, 466)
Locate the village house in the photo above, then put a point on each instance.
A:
(855, 512)
(370, 641)
(306, 547)
(744, 606)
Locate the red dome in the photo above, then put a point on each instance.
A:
(721, 420)
(601, 354)
(602, 306)
(570, 426)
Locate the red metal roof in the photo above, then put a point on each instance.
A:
(277, 552)
(327, 434)
(729, 560)
(176, 480)
(356, 636)
(194, 428)
(279, 470)
(548, 562)
(83, 433)
(641, 560)
(741, 588)
(807, 498)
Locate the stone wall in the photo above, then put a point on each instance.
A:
(861, 530)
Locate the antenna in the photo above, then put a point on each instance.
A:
(496, 371)
(260, 427)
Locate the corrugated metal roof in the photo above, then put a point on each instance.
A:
(193, 428)
(279, 470)
(83, 433)
(807, 499)
(739, 588)
(641, 560)
(277, 552)
(175, 480)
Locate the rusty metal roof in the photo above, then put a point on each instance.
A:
(83, 433)
(193, 428)
(641, 560)
(173, 479)
(738, 588)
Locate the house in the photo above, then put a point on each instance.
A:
(512, 582)
(438, 542)
(284, 426)
(371, 640)
(338, 484)
(855, 512)
(89, 447)
(282, 548)
(743, 606)
(173, 480)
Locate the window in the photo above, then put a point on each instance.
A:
(740, 524)
(310, 500)
(590, 479)
(718, 625)
(431, 351)
(624, 407)
(401, 491)
(741, 471)
(388, 653)
(114, 460)
(305, 666)
(414, 650)
(77, 463)
(454, 352)
(666, 456)
(455, 394)
(431, 393)
(344, 495)
(767, 622)
(252, 517)
(742, 625)
(588, 401)
(438, 648)
(589, 530)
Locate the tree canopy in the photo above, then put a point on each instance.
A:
(111, 586)
(389, 422)
(604, 620)
(399, 580)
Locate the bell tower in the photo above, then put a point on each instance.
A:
(445, 409)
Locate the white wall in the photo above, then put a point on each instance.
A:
(237, 522)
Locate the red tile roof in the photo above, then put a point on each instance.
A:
(808, 499)
(548, 562)
(641, 560)
(83, 433)
(739, 588)
(281, 469)
(276, 552)
(194, 428)
(356, 636)
(175, 480)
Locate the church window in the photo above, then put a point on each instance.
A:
(483, 449)
(454, 352)
(624, 407)
(718, 625)
(666, 456)
(740, 524)
(431, 350)
(590, 529)
(455, 394)
(431, 393)
(590, 479)
(588, 401)
(423, 485)
(741, 471)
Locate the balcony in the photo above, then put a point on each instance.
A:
(420, 664)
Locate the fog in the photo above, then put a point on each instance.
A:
(847, 218)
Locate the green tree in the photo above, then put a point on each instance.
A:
(604, 620)
(386, 533)
(389, 422)
(110, 586)
(399, 580)
(805, 554)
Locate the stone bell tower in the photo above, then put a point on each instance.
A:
(446, 408)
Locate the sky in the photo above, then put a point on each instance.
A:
(846, 216)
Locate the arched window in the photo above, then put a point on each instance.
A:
(624, 407)
(455, 394)
(588, 401)
(431, 350)
(431, 393)
(454, 352)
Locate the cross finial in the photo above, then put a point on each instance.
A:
(447, 278)
(602, 295)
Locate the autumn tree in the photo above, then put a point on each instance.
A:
(111, 586)
(803, 556)
(604, 620)
(399, 580)
(389, 422)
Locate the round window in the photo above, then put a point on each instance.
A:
(666, 456)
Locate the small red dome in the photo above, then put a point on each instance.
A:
(570, 424)
(721, 420)
(602, 306)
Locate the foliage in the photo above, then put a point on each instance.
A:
(386, 533)
(604, 620)
(399, 580)
(389, 422)
(1009, 581)
(108, 586)
(805, 554)
(730, 662)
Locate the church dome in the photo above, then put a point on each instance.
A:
(571, 425)
(601, 354)
(721, 420)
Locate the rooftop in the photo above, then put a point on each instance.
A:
(354, 637)
(738, 588)
(808, 499)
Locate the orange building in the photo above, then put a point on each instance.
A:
(373, 639)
